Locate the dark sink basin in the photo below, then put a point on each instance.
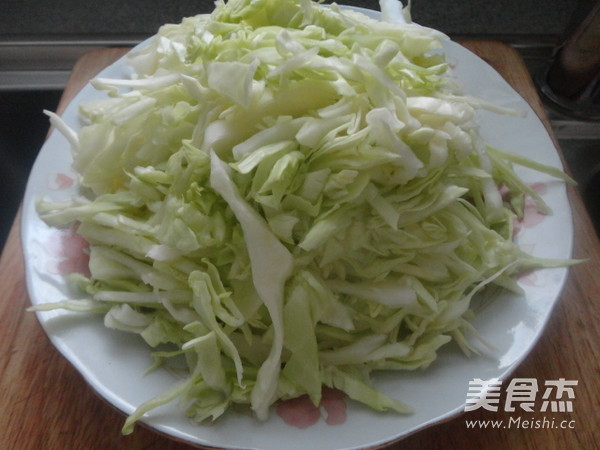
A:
(23, 128)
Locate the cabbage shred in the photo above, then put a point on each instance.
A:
(289, 196)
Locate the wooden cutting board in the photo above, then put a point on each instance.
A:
(45, 404)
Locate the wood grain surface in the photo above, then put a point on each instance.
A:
(45, 403)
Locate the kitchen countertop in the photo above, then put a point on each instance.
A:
(46, 404)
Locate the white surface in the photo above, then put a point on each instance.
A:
(113, 363)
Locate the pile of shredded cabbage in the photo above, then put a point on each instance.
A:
(291, 196)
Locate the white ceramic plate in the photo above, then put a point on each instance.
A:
(113, 362)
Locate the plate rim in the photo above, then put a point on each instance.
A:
(28, 214)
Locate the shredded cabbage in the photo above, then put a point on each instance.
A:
(290, 195)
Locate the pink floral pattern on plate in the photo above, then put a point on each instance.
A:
(59, 181)
(301, 413)
(531, 218)
(531, 215)
(68, 252)
(530, 278)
